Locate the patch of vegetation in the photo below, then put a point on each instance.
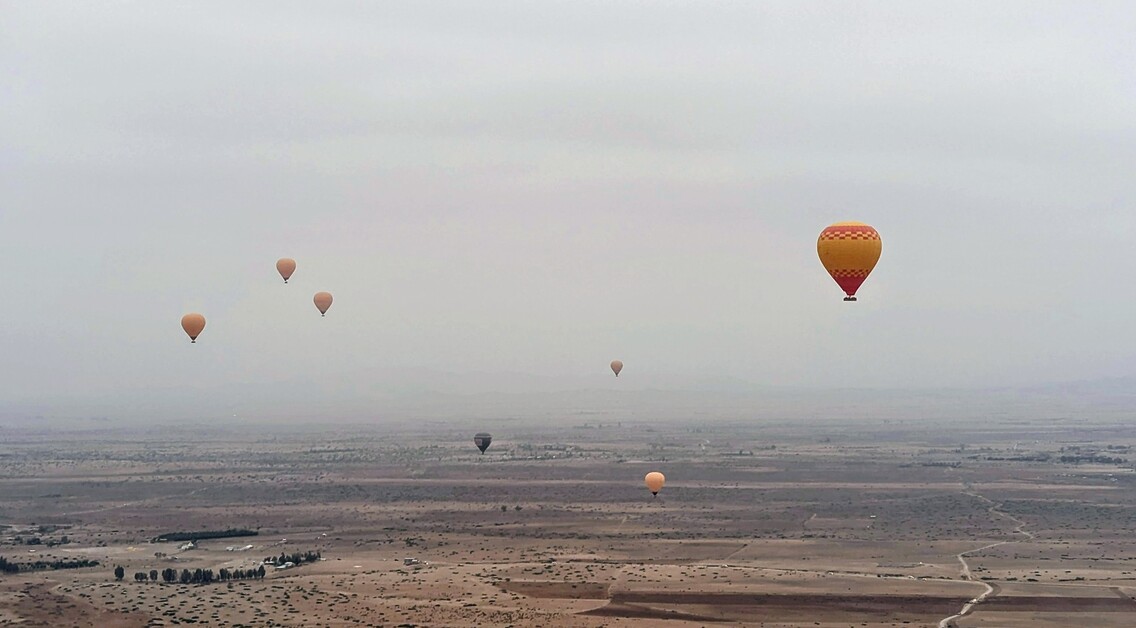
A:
(204, 534)
(7, 566)
(296, 558)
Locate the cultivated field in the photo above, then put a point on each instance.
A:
(794, 524)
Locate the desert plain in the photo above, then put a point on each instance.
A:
(852, 523)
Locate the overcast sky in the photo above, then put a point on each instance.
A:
(518, 193)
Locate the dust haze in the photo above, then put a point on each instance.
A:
(504, 197)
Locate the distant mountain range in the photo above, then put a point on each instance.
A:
(416, 394)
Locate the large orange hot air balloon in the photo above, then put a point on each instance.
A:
(849, 251)
(193, 323)
(322, 301)
(654, 481)
(286, 266)
(616, 367)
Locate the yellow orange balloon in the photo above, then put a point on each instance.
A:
(849, 252)
(655, 481)
(286, 266)
(322, 301)
(616, 367)
(193, 323)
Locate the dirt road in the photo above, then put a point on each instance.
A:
(991, 588)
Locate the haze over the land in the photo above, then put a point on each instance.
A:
(503, 197)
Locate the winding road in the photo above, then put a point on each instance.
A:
(991, 588)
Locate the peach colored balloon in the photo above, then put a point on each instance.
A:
(193, 323)
(616, 366)
(322, 301)
(286, 266)
(655, 482)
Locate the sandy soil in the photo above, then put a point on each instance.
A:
(866, 528)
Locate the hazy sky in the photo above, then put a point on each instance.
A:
(496, 188)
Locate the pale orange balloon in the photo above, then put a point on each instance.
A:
(193, 323)
(616, 367)
(286, 266)
(655, 481)
(322, 301)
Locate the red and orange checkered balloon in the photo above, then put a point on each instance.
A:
(849, 251)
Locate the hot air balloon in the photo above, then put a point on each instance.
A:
(193, 323)
(322, 301)
(616, 367)
(849, 251)
(286, 266)
(654, 481)
(482, 440)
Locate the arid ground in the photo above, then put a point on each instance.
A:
(877, 523)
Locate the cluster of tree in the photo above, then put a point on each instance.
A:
(1091, 449)
(197, 576)
(38, 539)
(204, 534)
(295, 558)
(1092, 458)
(7, 566)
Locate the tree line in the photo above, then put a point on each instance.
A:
(295, 558)
(197, 576)
(35, 540)
(203, 534)
(7, 566)
(207, 576)
(1092, 458)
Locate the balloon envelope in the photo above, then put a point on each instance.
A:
(482, 440)
(193, 323)
(849, 251)
(616, 367)
(322, 301)
(286, 266)
(654, 481)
